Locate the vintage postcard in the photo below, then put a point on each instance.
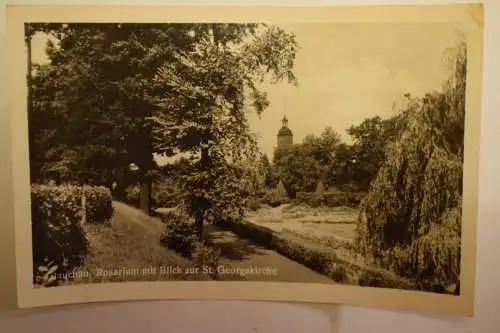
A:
(301, 154)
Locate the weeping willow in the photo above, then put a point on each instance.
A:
(410, 220)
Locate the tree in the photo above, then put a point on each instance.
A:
(410, 220)
(270, 177)
(99, 87)
(368, 151)
(203, 104)
(323, 147)
(301, 166)
(298, 169)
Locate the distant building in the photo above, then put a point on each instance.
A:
(285, 135)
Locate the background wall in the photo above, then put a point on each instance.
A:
(236, 317)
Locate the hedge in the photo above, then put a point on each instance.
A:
(99, 204)
(330, 199)
(59, 241)
(181, 235)
(322, 261)
(317, 260)
(57, 233)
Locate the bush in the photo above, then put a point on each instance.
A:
(338, 273)
(132, 195)
(254, 203)
(277, 196)
(312, 199)
(330, 198)
(180, 233)
(274, 199)
(207, 258)
(166, 194)
(99, 203)
(373, 278)
(316, 260)
(349, 199)
(57, 233)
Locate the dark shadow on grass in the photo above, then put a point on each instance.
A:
(231, 246)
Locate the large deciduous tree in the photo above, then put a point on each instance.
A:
(92, 101)
(204, 103)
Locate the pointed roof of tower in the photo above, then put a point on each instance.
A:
(284, 130)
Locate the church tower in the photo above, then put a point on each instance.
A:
(285, 135)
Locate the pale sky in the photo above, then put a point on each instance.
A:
(347, 72)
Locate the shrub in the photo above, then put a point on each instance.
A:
(277, 196)
(207, 258)
(312, 199)
(349, 199)
(57, 234)
(166, 194)
(180, 233)
(330, 198)
(99, 203)
(320, 188)
(338, 273)
(384, 279)
(281, 190)
(254, 203)
(132, 195)
(315, 259)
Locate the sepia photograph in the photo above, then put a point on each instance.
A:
(328, 153)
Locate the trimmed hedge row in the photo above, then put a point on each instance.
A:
(330, 199)
(59, 242)
(322, 261)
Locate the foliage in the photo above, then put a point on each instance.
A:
(320, 188)
(372, 278)
(166, 193)
(206, 258)
(95, 95)
(276, 196)
(132, 195)
(180, 233)
(338, 273)
(269, 174)
(323, 147)
(99, 203)
(202, 110)
(297, 169)
(301, 166)
(311, 199)
(330, 198)
(411, 217)
(57, 234)
(254, 203)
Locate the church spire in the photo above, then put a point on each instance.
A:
(284, 121)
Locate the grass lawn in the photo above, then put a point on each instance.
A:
(127, 248)
(338, 222)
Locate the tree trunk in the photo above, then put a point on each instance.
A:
(199, 225)
(204, 164)
(146, 165)
(144, 199)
